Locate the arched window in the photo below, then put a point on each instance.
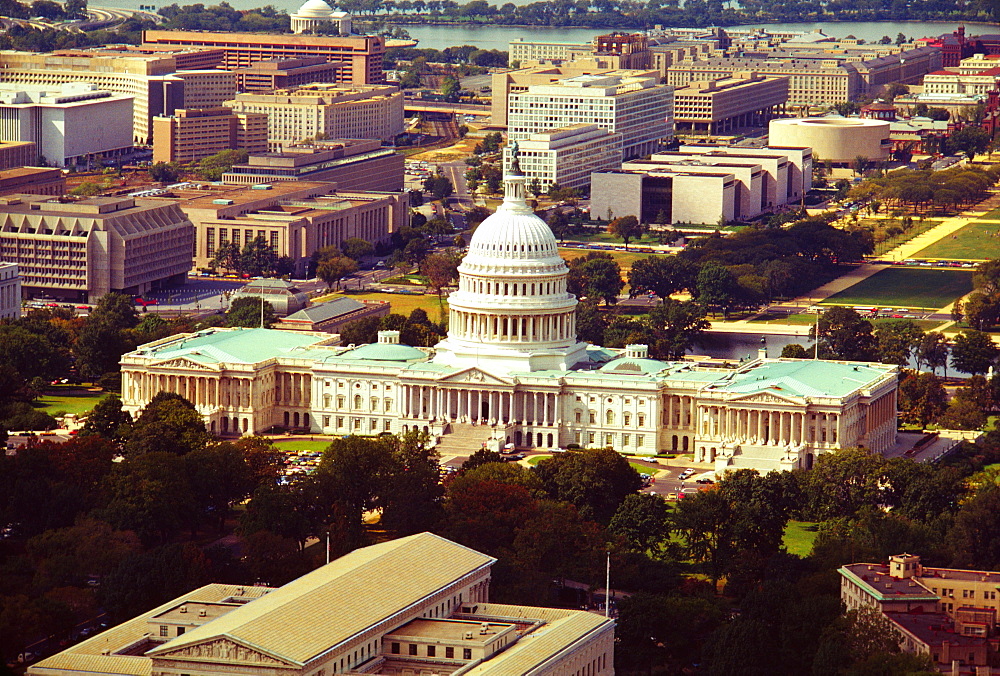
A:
(609, 417)
(357, 401)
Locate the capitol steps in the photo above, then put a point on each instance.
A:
(463, 439)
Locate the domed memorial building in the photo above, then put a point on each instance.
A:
(316, 13)
(512, 372)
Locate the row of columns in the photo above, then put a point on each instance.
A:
(522, 289)
(773, 428)
(513, 328)
(292, 389)
(436, 403)
(679, 412)
(224, 391)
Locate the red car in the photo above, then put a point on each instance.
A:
(144, 302)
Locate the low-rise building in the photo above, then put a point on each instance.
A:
(357, 614)
(284, 297)
(69, 124)
(32, 181)
(567, 156)
(192, 134)
(81, 250)
(326, 111)
(17, 154)
(351, 164)
(266, 76)
(724, 105)
(10, 291)
(333, 315)
(834, 139)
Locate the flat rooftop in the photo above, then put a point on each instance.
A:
(192, 612)
(204, 196)
(934, 629)
(450, 630)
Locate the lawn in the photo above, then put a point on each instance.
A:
(605, 237)
(906, 288)
(975, 242)
(302, 444)
(625, 259)
(992, 215)
(799, 537)
(796, 319)
(402, 303)
(69, 400)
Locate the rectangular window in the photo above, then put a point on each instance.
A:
(210, 241)
(628, 419)
(326, 421)
(431, 651)
(395, 649)
(590, 437)
(467, 653)
(449, 653)
(625, 439)
(638, 440)
(412, 648)
(642, 420)
(163, 630)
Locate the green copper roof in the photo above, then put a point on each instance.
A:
(385, 352)
(803, 378)
(633, 366)
(242, 346)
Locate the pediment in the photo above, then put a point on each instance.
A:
(183, 363)
(474, 376)
(766, 398)
(220, 650)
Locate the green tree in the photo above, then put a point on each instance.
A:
(441, 270)
(150, 495)
(973, 352)
(842, 482)
(717, 287)
(661, 275)
(450, 89)
(168, 424)
(844, 334)
(596, 276)
(626, 228)
(922, 398)
(219, 477)
(250, 312)
(642, 521)
(108, 420)
(257, 258)
(356, 248)
(970, 141)
(596, 481)
(676, 325)
(933, 351)
(104, 337)
(333, 270)
(897, 340)
(213, 167)
(165, 172)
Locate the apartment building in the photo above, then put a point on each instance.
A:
(294, 217)
(356, 614)
(567, 156)
(326, 111)
(622, 102)
(190, 135)
(81, 250)
(350, 164)
(10, 291)
(722, 106)
(363, 54)
(266, 76)
(69, 124)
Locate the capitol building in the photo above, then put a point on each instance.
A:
(512, 373)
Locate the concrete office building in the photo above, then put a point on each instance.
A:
(294, 217)
(725, 105)
(363, 54)
(834, 139)
(10, 291)
(327, 111)
(17, 154)
(69, 124)
(513, 364)
(207, 88)
(774, 171)
(266, 76)
(567, 156)
(81, 250)
(635, 106)
(357, 614)
(316, 14)
(352, 164)
(798, 162)
(32, 181)
(702, 195)
(190, 135)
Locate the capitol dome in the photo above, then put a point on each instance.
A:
(315, 8)
(512, 310)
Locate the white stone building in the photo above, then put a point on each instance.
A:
(10, 291)
(316, 13)
(636, 106)
(512, 371)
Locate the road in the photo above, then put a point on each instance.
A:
(455, 172)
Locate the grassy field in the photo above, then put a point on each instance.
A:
(607, 238)
(625, 259)
(992, 215)
(799, 537)
(798, 319)
(402, 303)
(975, 242)
(906, 288)
(302, 444)
(69, 400)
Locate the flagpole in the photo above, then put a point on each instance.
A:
(607, 587)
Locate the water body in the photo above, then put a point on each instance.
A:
(738, 346)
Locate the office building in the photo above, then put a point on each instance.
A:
(207, 88)
(794, 161)
(32, 181)
(567, 156)
(834, 139)
(723, 106)
(17, 154)
(316, 16)
(948, 614)
(190, 135)
(362, 53)
(294, 217)
(326, 111)
(635, 106)
(513, 364)
(70, 124)
(81, 250)
(352, 164)
(416, 605)
(10, 291)
(266, 76)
